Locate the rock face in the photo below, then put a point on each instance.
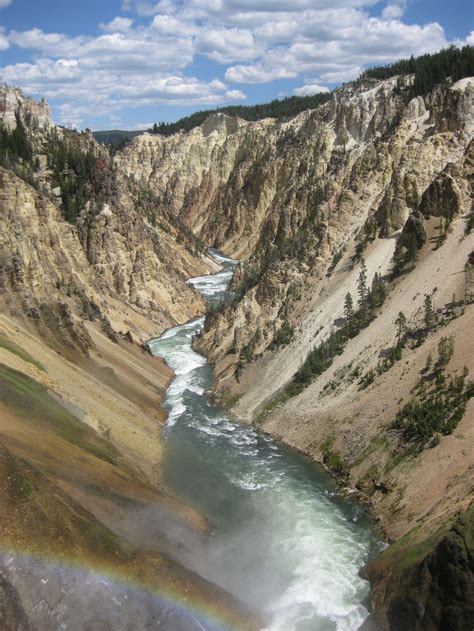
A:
(301, 201)
(13, 105)
(117, 253)
(435, 590)
(114, 257)
(293, 194)
(353, 169)
(85, 278)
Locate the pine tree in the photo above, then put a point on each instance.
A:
(348, 309)
(445, 352)
(429, 363)
(429, 317)
(362, 289)
(377, 292)
(401, 324)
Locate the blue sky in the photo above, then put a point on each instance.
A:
(127, 63)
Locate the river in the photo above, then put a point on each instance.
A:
(284, 542)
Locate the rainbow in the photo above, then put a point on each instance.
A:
(208, 616)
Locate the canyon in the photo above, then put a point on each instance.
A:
(306, 205)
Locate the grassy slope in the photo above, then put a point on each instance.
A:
(47, 459)
(68, 492)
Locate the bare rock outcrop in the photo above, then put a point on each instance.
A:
(33, 114)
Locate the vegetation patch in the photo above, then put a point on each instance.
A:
(14, 144)
(274, 403)
(377, 443)
(470, 223)
(333, 460)
(438, 404)
(365, 236)
(283, 336)
(429, 70)
(320, 358)
(411, 240)
(30, 399)
(11, 347)
(335, 260)
(413, 337)
(79, 172)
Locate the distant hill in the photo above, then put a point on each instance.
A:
(114, 137)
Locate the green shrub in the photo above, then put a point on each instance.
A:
(367, 379)
(437, 408)
(333, 460)
(284, 335)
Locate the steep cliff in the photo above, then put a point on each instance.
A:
(427, 584)
(292, 194)
(114, 244)
(371, 188)
(343, 414)
(88, 271)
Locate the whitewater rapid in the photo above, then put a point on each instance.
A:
(284, 543)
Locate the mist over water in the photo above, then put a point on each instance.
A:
(283, 543)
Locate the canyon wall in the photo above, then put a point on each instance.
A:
(88, 272)
(373, 183)
(373, 180)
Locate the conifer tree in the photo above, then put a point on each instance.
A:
(348, 308)
(445, 351)
(377, 292)
(362, 289)
(429, 314)
(401, 324)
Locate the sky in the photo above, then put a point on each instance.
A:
(124, 64)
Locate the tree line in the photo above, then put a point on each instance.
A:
(14, 144)
(430, 69)
(278, 108)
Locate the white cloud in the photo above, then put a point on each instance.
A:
(5, 3)
(121, 51)
(144, 8)
(394, 10)
(235, 95)
(469, 41)
(118, 25)
(258, 73)
(169, 25)
(4, 43)
(149, 60)
(137, 126)
(309, 89)
(355, 42)
(226, 45)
